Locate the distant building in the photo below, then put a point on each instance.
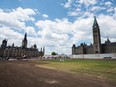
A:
(20, 52)
(97, 47)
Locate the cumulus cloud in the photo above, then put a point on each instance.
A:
(61, 33)
(23, 14)
(107, 27)
(11, 35)
(16, 18)
(13, 21)
(55, 33)
(30, 30)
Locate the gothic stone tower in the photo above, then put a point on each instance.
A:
(24, 41)
(96, 37)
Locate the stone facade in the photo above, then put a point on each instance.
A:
(97, 47)
(20, 52)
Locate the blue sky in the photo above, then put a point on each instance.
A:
(56, 24)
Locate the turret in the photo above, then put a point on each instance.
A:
(107, 42)
(13, 45)
(4, 43)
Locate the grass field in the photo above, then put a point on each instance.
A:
(102, 69)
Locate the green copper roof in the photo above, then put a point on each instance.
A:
(95, 22)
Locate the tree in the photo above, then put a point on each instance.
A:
(53, 53)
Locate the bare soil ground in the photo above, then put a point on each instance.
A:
(26, 74)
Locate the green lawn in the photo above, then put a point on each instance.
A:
(103, 69)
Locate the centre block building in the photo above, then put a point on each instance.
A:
(97, 47)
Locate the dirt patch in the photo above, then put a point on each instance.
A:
(26, 74)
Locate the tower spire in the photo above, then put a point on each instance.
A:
(95, 22)
(108, 39)
(25, 38)
(24, 41)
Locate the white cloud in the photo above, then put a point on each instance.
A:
(111, 9)
(88, 2)
(78, 3)
(45, 15)
(11, 35)
(55, 33)
(68, 4)
(108, 3)
(8, 20)
(78, 9)
(74, 13)
(114, 13)
(86, 8)
(95, 8)
(30, 30)
(16, 18)
(107, 27)
(23, 14)
(61, 33)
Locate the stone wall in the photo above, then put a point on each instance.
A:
(95, 56)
